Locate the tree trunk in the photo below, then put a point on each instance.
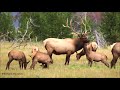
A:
(99, 38)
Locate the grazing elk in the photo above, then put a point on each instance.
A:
(116, 54)
(40, 57)
(82, 53)
(66, 46)
(94, 56)
(19, 56)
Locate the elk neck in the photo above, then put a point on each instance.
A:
(87, 48)
(79, 44)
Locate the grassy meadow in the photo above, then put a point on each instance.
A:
(76, 69)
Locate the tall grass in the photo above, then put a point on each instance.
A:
(76, 69)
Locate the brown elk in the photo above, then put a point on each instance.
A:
(94, 56)
(116, 54)
(19, 56)
(82, 53)
(40, 57)
(66, 46)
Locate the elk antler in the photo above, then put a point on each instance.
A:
(71, 28)
(84, 21)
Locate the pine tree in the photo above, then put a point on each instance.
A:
(7, 30)
(110, 27)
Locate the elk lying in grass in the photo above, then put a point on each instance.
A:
(66, 46)
(19, 56)
(116, 54)
(94, 56)
(40, 57)
(82, 53)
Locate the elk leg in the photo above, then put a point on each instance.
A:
(23, 65)
(51, 58)
(105, 62)
(33, 64)
(50, 54)
(50, 51)
(82, 53)
(90, 63)
(114, 60)
(66, 61)
(8, 64)
(31, 67)
(42, 64)
(20, 64)
(67, 58)
(45, 65)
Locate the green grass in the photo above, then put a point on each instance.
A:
(76, 69)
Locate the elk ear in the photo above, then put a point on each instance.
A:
(36, 48)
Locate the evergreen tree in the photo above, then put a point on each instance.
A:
(110, 27)
(7, 30)
(50, 24)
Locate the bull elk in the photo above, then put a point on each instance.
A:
(66, 46)
(116, 54)
(19, 56)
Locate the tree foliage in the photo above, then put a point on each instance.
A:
(50, 24)
(110, 27)
(7, 30)
(41, 25)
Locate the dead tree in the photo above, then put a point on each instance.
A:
(26, 36)
(96, 18)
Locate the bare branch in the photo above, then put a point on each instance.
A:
(29, 36)
(31, 21)
(21, 40)
(36, 38)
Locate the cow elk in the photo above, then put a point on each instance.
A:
(94, 56)
(82, 53)
(66, 46)
(116, 54)
(40, 57)
(19, 56)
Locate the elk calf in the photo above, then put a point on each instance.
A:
(82, 53)
(40, 57)
(116, 54)
(19, 56)
(94, 56)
